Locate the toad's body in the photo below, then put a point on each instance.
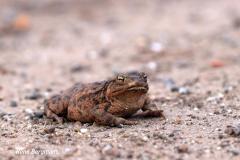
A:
(106, 102)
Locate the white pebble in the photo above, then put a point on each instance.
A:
(29, 111)
(195, 109)
(156, 47)
(229, 111)
(152, 65)
(83, 130)
(106, 148)
(210, 114)
(145, 138)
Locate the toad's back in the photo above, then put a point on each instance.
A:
(80, 95)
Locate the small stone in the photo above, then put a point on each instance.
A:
(210, 114)
(183, 90)
(233, 130)
(6, 117)
(21, 23)
(69, 151)
(172, 134)
(225, 144)
(229, 111)
(178, 120)
(227, 89)
(34, 95)
(109, 150)
(182, 148)
(219, 148)
(235, 152)
(145, 138)
(49, 130)
(92, 55)
(170, 84)
(216, 63)
(38, 114)
(216, 98)
(216, 112)
(13, 103)
(77, 68)
(2, 113)
(142, 44)
(236, 22)
(46, 95)
(174, 89)
(220, 136)
(156, 47)
(28, 111)
(152, 65)
(106, 148)
(196, 109)
(77, 124)
(83, 130)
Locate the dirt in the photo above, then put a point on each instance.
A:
(189, 49)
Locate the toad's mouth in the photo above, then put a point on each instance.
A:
(139, 89)
(142, 89)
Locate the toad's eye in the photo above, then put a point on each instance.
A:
(120, 78)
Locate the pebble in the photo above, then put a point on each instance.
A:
(83, 130)
(7, 117)
(145, 138)
(38, 114)
(184, 90)
(77, 68)
(34, 95)
(13, 103)
(227, 89)
(182, 148)
(216, 63)
(233, 130)
(156, 47)
(142, 44)
(2, 113)
(216, 98)
(92, 55)
(196, 109)
(235, 152)
(178, 120)
(106, 148)
(152, 66)
(170, 84)
(28, 111)
(236, 22)
(49, 130)
(109, 150)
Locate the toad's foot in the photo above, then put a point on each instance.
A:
(53, 116)
(104, 118)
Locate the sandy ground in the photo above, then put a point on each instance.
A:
(190, 50)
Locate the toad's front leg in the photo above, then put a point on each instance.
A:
(150, 110)
(105, 118)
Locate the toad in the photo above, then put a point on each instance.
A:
(107, 102)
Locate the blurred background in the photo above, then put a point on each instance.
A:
(190, 50)
(57, 42)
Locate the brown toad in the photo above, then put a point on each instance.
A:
(107, 102)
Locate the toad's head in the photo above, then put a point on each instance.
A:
(125, 83)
